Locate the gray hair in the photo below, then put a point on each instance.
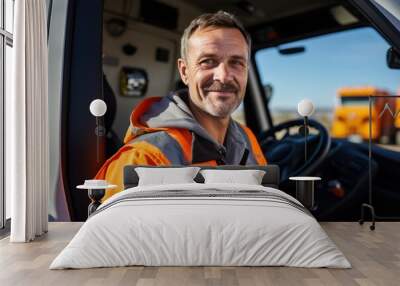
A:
(220, 19)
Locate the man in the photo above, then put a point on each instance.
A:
(194, 126)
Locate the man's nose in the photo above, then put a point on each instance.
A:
(222, 73)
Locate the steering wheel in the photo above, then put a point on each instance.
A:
(288, 152)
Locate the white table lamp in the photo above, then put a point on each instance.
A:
(305, 108)
(98, 108)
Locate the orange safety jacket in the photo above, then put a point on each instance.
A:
(160, 146)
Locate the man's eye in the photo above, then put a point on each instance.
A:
(208, 62)
(238, 63)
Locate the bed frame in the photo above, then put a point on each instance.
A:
(271, 177)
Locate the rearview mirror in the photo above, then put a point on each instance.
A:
(292, 50)
(393, 58)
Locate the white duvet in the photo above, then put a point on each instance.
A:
(269, 228)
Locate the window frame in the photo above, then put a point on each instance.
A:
(378, 20)
(6, 39)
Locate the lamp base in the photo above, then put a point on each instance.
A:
(95, 196)
(372, 209)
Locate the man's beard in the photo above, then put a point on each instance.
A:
(220, 108)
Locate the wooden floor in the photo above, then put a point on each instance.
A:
(375, 256)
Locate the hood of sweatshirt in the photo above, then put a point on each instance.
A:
(160, 113)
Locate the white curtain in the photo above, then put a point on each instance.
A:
(27, 143)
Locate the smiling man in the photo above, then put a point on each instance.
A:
(194, 126)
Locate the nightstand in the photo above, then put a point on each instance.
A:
(305, 190)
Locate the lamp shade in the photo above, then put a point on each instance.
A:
(305, 107)
(98, 107)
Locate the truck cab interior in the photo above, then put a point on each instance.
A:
(123, 51)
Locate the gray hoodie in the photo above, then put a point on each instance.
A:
(172, 111)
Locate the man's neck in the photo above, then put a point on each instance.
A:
(216, 127)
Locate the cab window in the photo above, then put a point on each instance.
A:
(337, 72)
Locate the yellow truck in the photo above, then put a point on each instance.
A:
(351, 115)
(397, 120)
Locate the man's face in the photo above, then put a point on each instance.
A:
(215, 70)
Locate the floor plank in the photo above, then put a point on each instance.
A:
(375, 257)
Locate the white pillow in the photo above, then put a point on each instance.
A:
(248, 177)
(163, 176)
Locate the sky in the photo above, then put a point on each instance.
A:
(351, 58)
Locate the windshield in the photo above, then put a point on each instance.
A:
(355, 101)
(353, 60)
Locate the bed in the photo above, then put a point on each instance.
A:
(201, 224)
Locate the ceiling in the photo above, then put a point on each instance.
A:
(263, 10)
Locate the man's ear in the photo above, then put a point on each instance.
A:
(182, 67)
